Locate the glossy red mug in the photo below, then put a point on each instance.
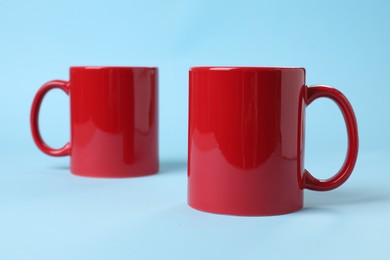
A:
(114, 121)
(246, 140)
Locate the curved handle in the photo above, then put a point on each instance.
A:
(36, 105)
(311, 183)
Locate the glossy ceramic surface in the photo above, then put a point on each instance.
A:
(114, 121)
(246, 139)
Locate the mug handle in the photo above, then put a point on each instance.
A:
(310, 182)
(36, 105)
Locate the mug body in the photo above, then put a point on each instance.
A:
(114, 121)
(246, 140)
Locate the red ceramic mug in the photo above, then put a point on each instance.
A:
(114, 121)
(246, 140)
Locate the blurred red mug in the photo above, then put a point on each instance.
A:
(246, 140)
(114, 121)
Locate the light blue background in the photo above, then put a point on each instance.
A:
(47, 213)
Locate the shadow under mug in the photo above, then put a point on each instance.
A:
(246, 139)
(114, 121)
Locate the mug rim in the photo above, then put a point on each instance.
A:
(111, 67)
(243, 68)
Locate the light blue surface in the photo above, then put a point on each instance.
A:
(47, 213)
